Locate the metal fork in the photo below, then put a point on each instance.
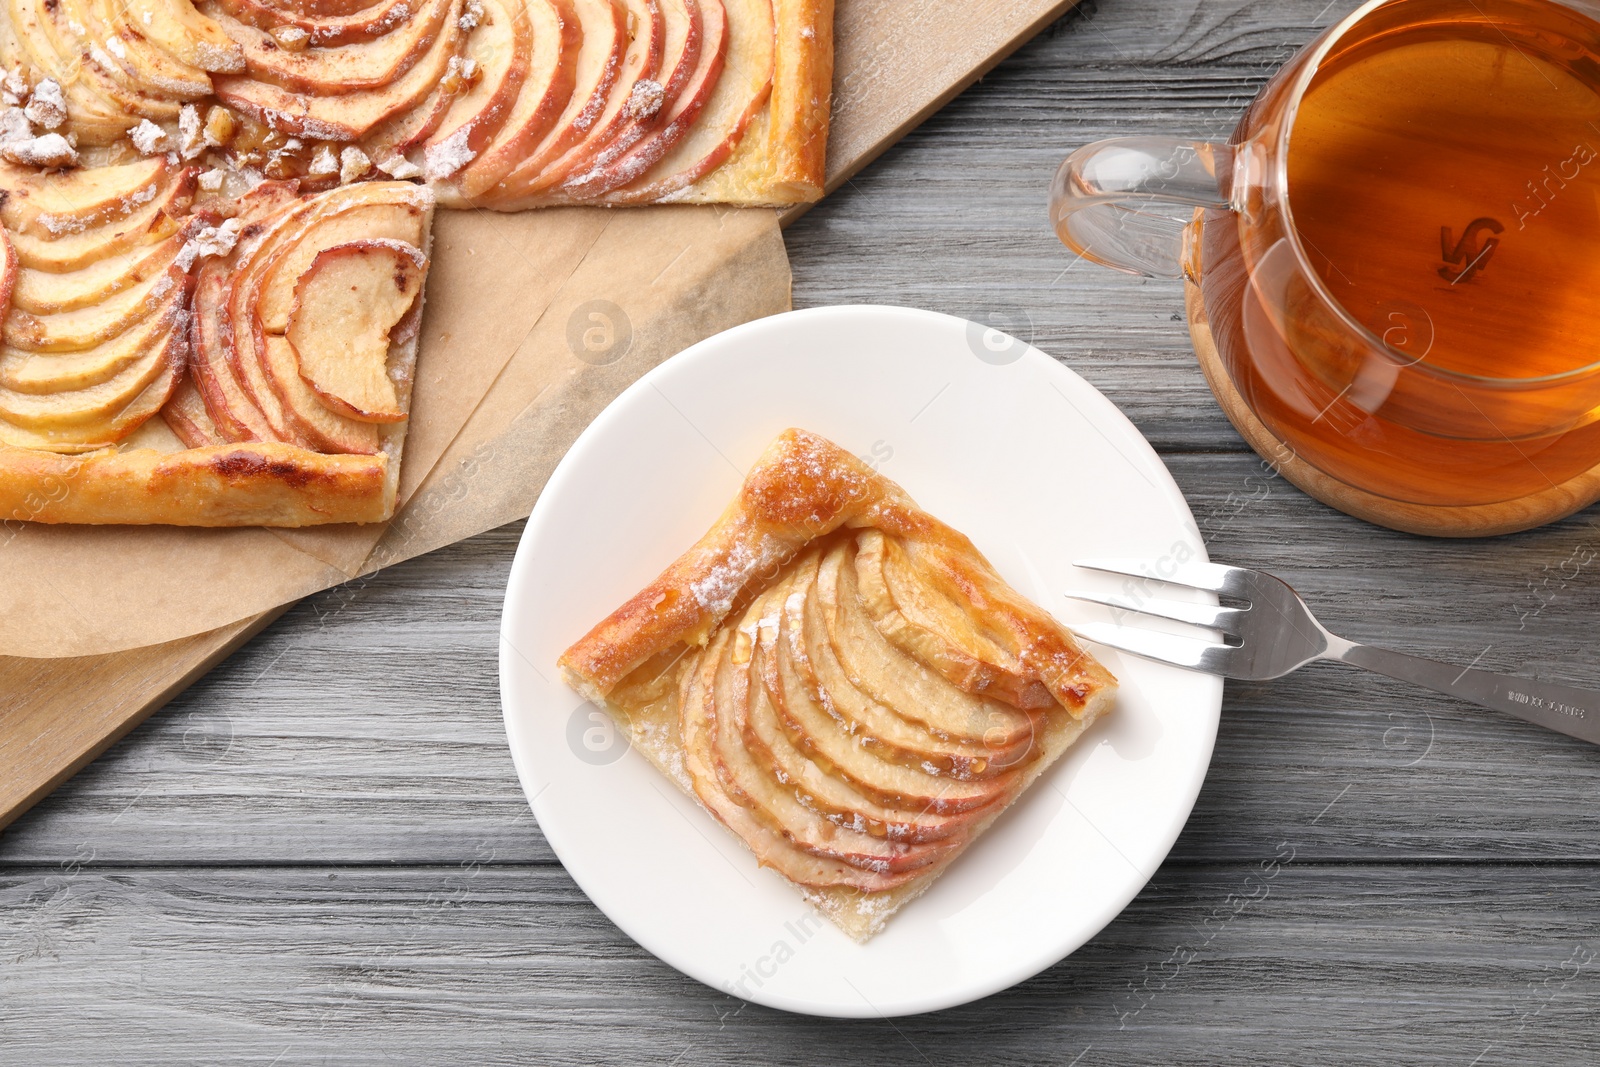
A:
(1274, 633)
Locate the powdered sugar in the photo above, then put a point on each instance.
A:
(400, 168)
(645, 99)
(14, 126)
(717, 590)
(324, 162)
(209, 241)
(447, 157)
(353, 165)
(219, 59)
(191, 132)
(13, 88)
(47, 107)
(60, 225)
(150, 139)
(50, 150)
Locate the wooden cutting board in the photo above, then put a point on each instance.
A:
(896, 64)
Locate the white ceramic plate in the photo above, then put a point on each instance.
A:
(988, 434)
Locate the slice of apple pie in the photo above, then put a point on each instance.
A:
(842, 680)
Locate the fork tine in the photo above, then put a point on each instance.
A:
(1209, 576)
(1164, 648)
(1214, 618)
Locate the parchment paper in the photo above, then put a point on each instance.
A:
(534, 322)
(503, 292)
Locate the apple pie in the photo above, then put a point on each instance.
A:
(505, 104)
(842, 680)
(276, 344)
(217, 212)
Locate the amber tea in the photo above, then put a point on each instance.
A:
(1443, 186)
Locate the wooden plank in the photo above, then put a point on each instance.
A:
(896, 66)
(331, 738)
(57, 716)
(486, 964)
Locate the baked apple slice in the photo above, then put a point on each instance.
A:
(695, 69)
(602, 42)
(182, 31)
(889, 678)
(345, 307)
(747, 784)
(83, 434)
(50, 47)
(633, 89)
(186, 415)
(928, 623)
(43, 293)
(371, 211)
(260, 292)
(233, 411)
(802, 709)
(89, 434)
(8, 274)
(369, 64)
(769, 846)
(161, 294)
(546, 91)
(323, 31)
(741, 92)
(323, 8)
(119, 42)
(28, 371)
(247, 361)
(348, 116)
(834, 798)
(47, 206)
(502, 49)
(311, 418)
(239, 299)
(89, 117)
(46, 26)
(61, 411)
(147, 225)
(876, 726)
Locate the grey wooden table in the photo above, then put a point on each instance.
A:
(320, 853)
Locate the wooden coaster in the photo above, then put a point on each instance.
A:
(1432, 520)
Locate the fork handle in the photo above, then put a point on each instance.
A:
(1562, 708)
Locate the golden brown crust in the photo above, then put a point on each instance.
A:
(802, 85)
(804, 487)
(782, 159)
(259, 484)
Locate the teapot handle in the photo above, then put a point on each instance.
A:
(1124, 202)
